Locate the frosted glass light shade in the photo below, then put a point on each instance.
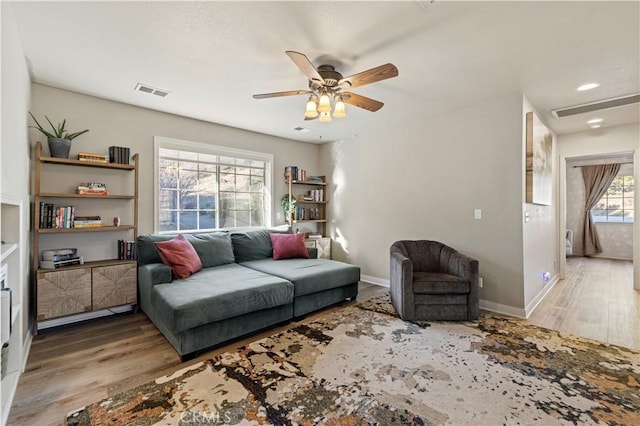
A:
(325, 103)
(325, 117)
(339, 110)
(311, 110)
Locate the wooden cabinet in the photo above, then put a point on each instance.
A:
(102, 281)
(85, 288)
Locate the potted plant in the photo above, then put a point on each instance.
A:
(288, 205)
(59, 139)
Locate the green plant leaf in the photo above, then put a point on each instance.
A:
(55, 130)
(76, 134)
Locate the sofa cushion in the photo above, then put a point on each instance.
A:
(253, 245)
(309, 275)
(213, 248)
(288, 246)
(214, 294)
(180, 255)
(146, 247)
(438, 283)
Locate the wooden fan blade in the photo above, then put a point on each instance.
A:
(361, 101)
(278, 94)
(305, 65)
(369, 76)
(314, 118)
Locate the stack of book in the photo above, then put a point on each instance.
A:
(47, 215)
(92, 188)
(65, 216)
(92, 158)
(316, 179)
(87, 222)
(57, 258)
(119, 154)
(295, 173)
(126, 250)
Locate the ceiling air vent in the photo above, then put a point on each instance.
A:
(148, 89)
(596, 106)
(301, 129)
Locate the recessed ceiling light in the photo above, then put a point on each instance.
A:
(594, 121)
(595, 126)
(587, 86)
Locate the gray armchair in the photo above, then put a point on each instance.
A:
(430, 281)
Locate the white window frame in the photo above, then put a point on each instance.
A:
(598, 219)
(204, 148)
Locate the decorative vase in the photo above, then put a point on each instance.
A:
(59, 147)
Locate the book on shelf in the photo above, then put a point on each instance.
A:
(87, 222)
(54, 264)
(59, 253)
(92, 188)
(92, 158)
(126, 250)
(119, 154)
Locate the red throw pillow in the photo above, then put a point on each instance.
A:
(180, 255)
(288, 246)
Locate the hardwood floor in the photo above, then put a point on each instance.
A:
(72, 366)
(596, 300)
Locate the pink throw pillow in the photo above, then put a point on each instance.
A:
(180, 255)
(288, 246)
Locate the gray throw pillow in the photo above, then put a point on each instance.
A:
(213, 248)
(253, 245)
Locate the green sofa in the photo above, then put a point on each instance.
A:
(239, 290)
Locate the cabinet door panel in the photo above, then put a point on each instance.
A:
(63, 293)
(324, 248)
(114, 285)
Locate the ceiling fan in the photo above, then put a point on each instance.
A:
(327, 88)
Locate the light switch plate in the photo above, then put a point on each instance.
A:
(477, 214)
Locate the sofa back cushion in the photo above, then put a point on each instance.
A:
(146, 247)
(180, 255)
(253, 245)
(213, 248)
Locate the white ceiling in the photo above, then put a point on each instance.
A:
(212, 56)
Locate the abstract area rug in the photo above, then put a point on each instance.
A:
(362, 365)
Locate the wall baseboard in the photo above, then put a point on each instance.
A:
(83, 317)
(501, 309)
(541, 295)
(374, 280)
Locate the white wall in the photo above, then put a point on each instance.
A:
(422, 179)
(113, 123)
(540, 249)
(14, 153)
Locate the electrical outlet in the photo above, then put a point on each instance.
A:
(480, 282)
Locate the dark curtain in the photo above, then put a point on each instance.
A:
(596, 182)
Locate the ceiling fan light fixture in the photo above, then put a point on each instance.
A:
(325, 117)
(325, 103)
(339, 110)
(311, 110)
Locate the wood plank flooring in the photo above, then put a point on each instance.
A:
(70, 367)
(596, 300)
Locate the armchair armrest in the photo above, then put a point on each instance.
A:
(401, 284)
(467, 268)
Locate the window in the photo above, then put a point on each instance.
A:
(205, 187)
(617, 204)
